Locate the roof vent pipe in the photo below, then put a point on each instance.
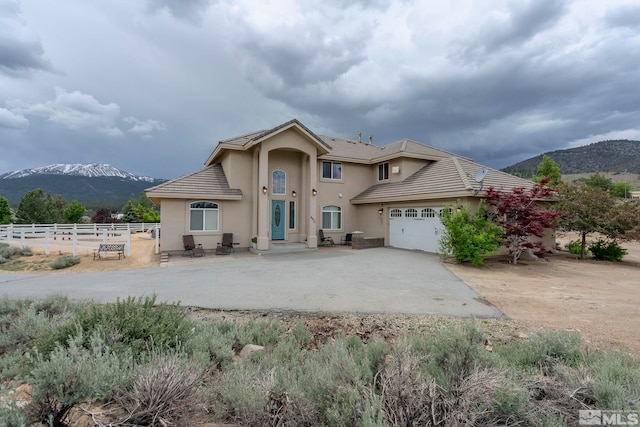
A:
(370, 139)
(359, 136)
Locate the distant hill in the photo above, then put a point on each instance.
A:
(605, 156)
(95, 185)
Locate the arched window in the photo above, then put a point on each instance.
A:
(331, 217)
(428, 213)
(411, 213)
(278, 182)
(203, 216)
(395, 213)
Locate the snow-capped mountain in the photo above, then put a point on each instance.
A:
(90, 170)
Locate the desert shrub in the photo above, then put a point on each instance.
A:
(22, 321)
(542, 350)
(293, 386)
(55, 305)
(211, 344)
(616, 381)
(11, 415)
(575, 247)
(7, 252)
(453, 353)
(73, 374)
(161, 391)
(607, 250)
(135, 325)
(64, 262)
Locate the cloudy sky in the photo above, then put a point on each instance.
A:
(152, 86)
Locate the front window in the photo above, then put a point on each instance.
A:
(332, 170)
(331, 217)
(278, 182)
(203, 216)
(383, 171)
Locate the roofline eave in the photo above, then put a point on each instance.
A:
(199, 196)
(414, 198)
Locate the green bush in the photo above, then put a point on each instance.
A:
(607, 250)
(135, 325)
(64, 262)
(468, 236)
(73, 374)
(575, 247)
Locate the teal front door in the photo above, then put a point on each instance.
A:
(277, 220)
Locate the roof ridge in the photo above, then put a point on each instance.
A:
(246, 135)
(463, 176)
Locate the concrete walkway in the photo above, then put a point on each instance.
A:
(381, 280)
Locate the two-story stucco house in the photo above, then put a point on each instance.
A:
(286, 183)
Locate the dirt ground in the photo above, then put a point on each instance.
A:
(598, 299)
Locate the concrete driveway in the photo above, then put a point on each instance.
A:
(381, 280)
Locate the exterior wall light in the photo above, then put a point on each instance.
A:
(380, 211)
(293, 193)
(314, 192)
(264, 190)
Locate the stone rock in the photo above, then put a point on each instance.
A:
(249, 349)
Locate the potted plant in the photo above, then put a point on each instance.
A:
(254, 242)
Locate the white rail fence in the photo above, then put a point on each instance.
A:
(74, 237)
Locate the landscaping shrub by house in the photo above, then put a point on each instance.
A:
(153, 365)
(607, 250)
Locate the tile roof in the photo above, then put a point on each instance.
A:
(449, 177)
(208, 182)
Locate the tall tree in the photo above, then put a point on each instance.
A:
(74, 212)
(522, 215)
(548, 168)
(5, 212)
(584, 210)
(36, 207)
(588, 210)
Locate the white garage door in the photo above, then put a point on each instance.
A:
(415, 228)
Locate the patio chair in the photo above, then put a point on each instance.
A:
(190, 246)
(324, 241)
(226, 247)
(346, 240)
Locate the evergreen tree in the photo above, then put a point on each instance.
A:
(36, 207)
(5, 212)
(548, 168)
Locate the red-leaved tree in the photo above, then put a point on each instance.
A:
(522, 215)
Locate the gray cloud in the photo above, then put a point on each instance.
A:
(185, 10)
(77, 110)
(498, 80)
(20, 49)
(11, 120)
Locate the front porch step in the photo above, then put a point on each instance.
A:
(286, 247)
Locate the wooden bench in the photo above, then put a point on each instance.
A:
(104, 248)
